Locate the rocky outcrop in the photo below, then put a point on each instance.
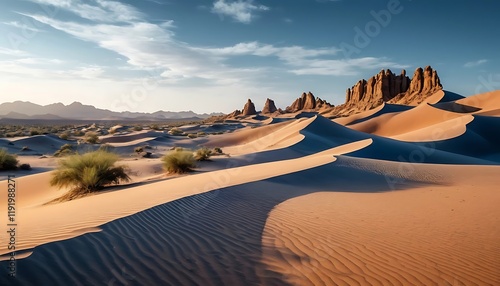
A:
(307, 101)
(249, 108)
(234, 114)
(269, 107)
(389, 87)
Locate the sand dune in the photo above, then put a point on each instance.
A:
(134, 199)
(397, 195)
(288, 230)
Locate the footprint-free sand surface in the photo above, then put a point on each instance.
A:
(393, 196)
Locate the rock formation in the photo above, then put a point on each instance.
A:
(269, 107)
(388, 87)
(234, 114)
(307, 101)
(249, 108)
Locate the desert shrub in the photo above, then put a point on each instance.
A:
(88, 173)
(179, 162)
(192, 136)
(7, 161)
(155, 127)
(64, 135)
(14, 134)
(91, 137)
(25, 167)
(200, 134)
(34, 132)
(218, 150)
(106, 147)
(176, 132)
(137, 128)
(65, 150)
(203, 154)
(25, 148)
(78, 133)
(139, 149)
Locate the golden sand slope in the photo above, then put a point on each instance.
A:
(422, 123)
(435, 235)
(46, 223)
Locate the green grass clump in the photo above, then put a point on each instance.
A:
(88, 173)
(65, 135)
(203, 154)
(7, 161)
(91, 137)
(179, 162)
(176, 132)
(65, 150)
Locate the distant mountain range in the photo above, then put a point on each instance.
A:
(79, 111)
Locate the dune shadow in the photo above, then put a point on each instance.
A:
(208, 239)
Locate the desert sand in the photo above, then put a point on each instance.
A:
(397, 195)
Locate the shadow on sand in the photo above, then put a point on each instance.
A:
(208, 239)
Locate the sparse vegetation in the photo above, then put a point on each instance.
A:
(7, 161)
(65, 150)
(139, 149)
(25, 167)
(179, 162)
(88, 173)
(34, 132)
(137, 128)
(155, 127)
(65, 135)
(176, 132)
(218, 150)
(91, 137)
(203, 154)
(106, 147)
(192, 136)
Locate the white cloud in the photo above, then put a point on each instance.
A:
(344, 67)
(12, 52)
(241, 10)
(475, 63)
(88, 72)
(306, 61)
(22, 26)
(102, 10)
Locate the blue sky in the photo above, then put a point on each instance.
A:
(211, 55)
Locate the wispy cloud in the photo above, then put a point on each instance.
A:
(306, 61)
(92, 72)
(103, 10)
(153, 46)
(475, 63)
(11, 52)
(22, 26)
(241, 11)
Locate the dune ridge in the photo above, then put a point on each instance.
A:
(392, 196)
